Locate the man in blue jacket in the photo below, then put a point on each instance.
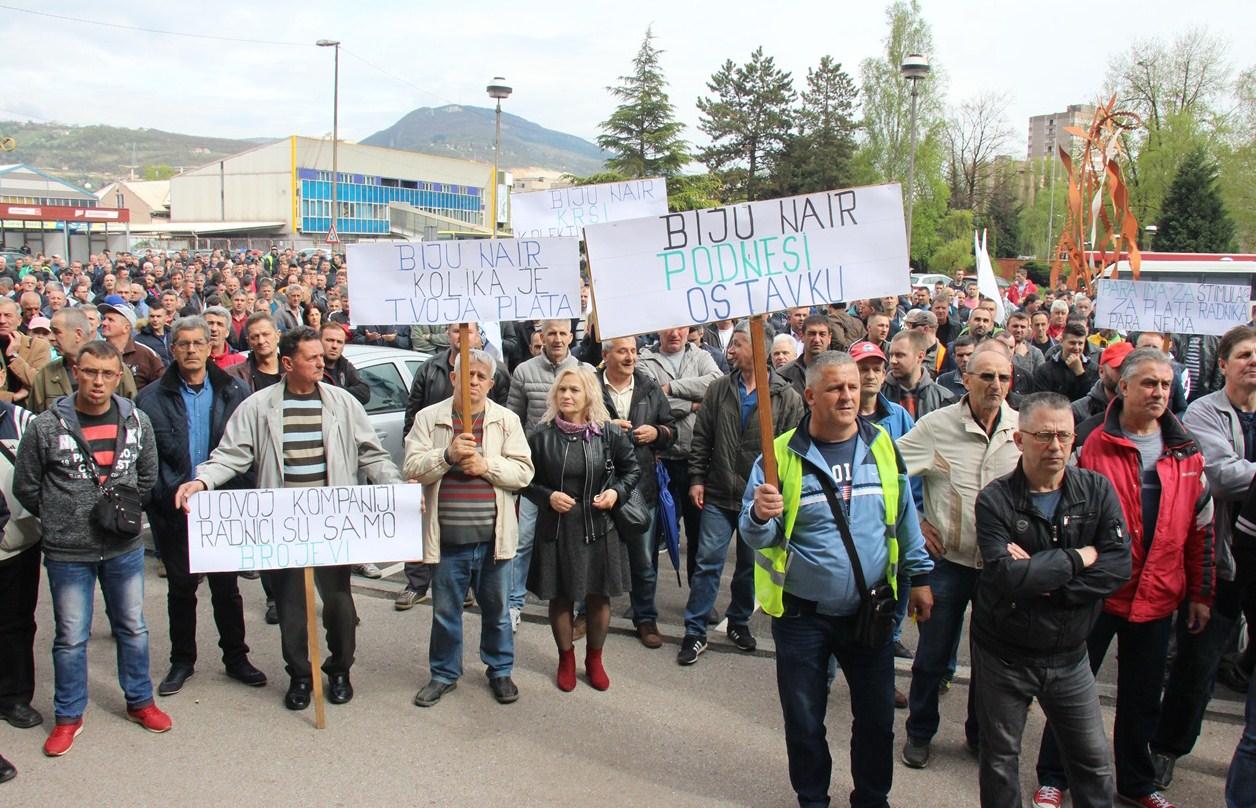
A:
(804, 576)
(189, 407)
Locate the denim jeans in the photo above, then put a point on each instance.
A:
(717, 528)
(463, 565)
(523, 554)
(1066, 691)
(73, 587)
(1240, 783)
(1141, 652)
(643, 559)
(804, 643)
(1193, 673)
(953, 586)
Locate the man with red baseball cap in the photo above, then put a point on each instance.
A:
(1095, 403)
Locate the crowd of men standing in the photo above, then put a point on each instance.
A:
(1070, 485)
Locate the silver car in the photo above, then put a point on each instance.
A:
(389, 372)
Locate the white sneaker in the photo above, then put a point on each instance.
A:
(516, 616)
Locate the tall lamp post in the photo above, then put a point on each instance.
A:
(914, 68)
(497, 89)
(335, 129)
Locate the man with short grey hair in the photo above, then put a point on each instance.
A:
(218, 320)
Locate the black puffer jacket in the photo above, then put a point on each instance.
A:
(648, 407)
(610, 462)
(1046, 605)
(432, 385)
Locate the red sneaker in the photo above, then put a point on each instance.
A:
(1048, 797)
(1153, 800)
(62, 738)
(151, 718)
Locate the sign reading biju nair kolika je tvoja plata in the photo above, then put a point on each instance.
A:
(565, 211)
(681, 269)
(285, 528)
(442, 282)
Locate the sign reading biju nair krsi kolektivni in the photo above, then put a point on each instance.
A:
(700, 266)
(282, 528)
(565, 211)
(1178, 308)
(441, 282)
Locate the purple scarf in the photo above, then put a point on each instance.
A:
(586, 431)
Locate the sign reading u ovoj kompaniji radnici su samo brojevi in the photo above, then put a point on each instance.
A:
(282, 528)
(1176, 308)
(565, 211)
(700, 266)
(441, 282)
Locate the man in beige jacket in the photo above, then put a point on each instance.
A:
(957, 451)
(470, 532)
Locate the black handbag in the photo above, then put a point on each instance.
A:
(119, 510)
(874, 623)
(631, 514)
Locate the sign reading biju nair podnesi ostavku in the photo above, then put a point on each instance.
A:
(1176, 308)
(700, 266)
(565, 211)
(441, 282)
(282, 528)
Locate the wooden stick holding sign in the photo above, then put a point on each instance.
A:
(464, 383)
(766, 436)
(311, 628)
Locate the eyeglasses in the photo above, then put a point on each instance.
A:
(1046, 438)
(184, 344)
(990, 378)
(94, 373)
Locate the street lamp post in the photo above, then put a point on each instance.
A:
(335, 128)
(914, 68)
(497, 89)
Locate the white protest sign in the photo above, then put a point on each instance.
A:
(441, 282)
(1176, 308)
(681, 269)
(283, 528)
(564, 211)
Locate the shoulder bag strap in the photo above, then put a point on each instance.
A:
(85, 449)
(839, 516)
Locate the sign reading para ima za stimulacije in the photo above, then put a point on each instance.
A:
(566, 211)
(1176, 308)
(442, 282)
(700, 266)
(283, 528)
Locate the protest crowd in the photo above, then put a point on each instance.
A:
(935, 454)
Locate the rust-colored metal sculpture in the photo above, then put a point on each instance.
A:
(1098, 202)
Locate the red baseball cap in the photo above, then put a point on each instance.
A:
(864, 349)
(1115, 354)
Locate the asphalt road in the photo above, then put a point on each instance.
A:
(662, 735)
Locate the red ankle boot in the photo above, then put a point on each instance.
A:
(597, 673)
(567, 670)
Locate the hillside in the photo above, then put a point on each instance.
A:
(468, 132)
(99, 154)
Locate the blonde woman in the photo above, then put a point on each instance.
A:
(584, 465)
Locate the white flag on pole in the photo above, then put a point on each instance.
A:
(986, 281)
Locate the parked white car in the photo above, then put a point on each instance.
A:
(389, 372)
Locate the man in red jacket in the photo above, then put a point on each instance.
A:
(1158, 473)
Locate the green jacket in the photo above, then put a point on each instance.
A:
(53, 381)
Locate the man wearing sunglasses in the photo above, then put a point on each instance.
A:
(1052, 540)
(957, 451)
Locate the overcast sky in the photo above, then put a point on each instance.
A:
(559, 56)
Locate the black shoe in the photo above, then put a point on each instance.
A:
(432, 692)
(902, 651)
(7, 771)
(250, 575)
(690, 647)
(504, 689)
(916, 755)
(1162, 767)
(22, 716)
(339, 688)
(272, 613)
(180, 672)
(298, 695)
(244, 672)
(741, 637)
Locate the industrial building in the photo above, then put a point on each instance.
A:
(49, 215)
